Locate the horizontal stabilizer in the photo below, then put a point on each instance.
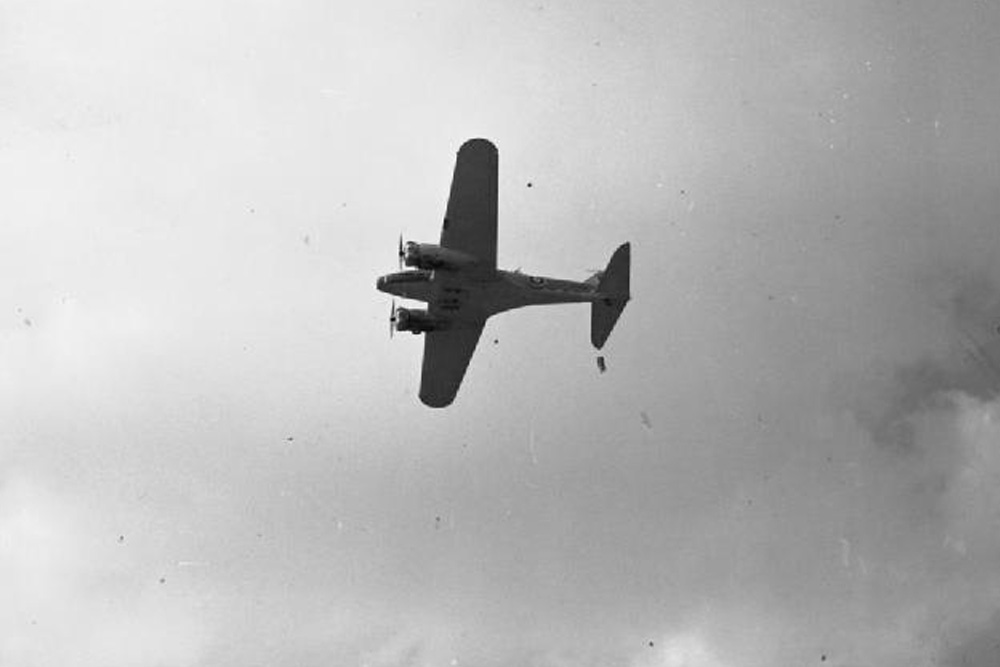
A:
(613, 290)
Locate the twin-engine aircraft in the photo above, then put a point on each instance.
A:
(460, 281)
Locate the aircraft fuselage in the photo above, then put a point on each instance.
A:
(484, 293)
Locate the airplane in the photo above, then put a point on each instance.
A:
(462, 286)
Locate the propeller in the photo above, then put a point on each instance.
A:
(392, 319)
(401, 253)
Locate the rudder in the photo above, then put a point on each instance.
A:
(613, 288)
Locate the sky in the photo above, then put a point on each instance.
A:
(212, 454)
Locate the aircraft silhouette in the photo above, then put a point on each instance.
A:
(462, 286)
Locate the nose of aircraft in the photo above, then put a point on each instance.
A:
(380, 284)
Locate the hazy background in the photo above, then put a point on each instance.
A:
(211, 453)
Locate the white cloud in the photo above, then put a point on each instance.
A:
(418, 644)
(934, 577)
(684, 649)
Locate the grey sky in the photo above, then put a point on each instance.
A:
(211, 453)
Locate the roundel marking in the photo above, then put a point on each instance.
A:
(536, 282)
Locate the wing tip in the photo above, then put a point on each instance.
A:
(436, 401)
(478, 144)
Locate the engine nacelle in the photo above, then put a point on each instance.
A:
(430, 256)
(414, 320)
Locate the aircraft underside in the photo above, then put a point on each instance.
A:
(504, 290)
(458, 280)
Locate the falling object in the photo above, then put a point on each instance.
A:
(601, 366)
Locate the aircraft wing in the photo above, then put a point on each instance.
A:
(470, 223)
(446, 356)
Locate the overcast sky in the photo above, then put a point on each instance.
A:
(212, 454)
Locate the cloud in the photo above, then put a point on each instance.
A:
(922, 484)
(419, 645)
(926, 543)
(933, 420)
(685, 649)
(887, 403)
(76, 594)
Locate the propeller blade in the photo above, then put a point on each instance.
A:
(401, 253)
(392, 319)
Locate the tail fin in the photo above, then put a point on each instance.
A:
(613, 290)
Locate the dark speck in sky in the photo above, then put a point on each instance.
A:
(529, 184)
